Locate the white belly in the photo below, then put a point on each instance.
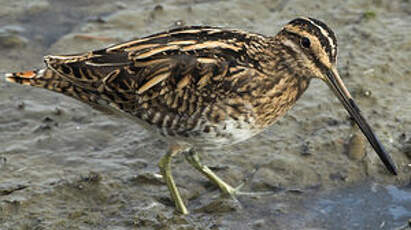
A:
(227, 132)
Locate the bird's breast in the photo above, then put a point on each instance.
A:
(277, 98)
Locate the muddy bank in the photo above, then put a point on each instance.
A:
(64, 165)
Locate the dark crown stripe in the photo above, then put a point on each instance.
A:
(313, 27)
(325, 27)
(331, 35)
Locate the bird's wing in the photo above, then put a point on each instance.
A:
(177, 70)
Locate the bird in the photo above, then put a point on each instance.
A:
(200, 88)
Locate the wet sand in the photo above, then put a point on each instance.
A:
(64, 165)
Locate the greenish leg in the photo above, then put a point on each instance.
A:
(165, 168)
(193, 158)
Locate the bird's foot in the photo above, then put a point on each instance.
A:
(233, 192)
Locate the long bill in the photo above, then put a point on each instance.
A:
(336, 84)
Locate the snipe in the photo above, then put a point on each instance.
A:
(204, 87)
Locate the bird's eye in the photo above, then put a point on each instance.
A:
(305, 42)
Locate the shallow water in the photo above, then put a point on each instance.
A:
(360, 206)
(363, 206)
(64, 165)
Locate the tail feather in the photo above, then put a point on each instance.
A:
(25, 78)
(49, 79)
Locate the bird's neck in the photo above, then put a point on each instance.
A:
(277, 101)
(287, 81)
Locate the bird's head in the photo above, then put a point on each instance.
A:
(313, 44)
(314, 47)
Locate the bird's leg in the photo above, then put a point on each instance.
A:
(193, 158)
(165, 168)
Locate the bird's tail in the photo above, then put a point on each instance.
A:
(51, 80)
(39, 78)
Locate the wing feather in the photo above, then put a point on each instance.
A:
(164, 70)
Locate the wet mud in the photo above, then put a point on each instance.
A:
(64, 165)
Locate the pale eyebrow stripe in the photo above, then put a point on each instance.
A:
(326, 34)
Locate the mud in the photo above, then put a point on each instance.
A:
(64, 165)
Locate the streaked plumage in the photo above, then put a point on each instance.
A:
(202, 87)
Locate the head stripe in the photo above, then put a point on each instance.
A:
(328, 34)
(322, 32)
